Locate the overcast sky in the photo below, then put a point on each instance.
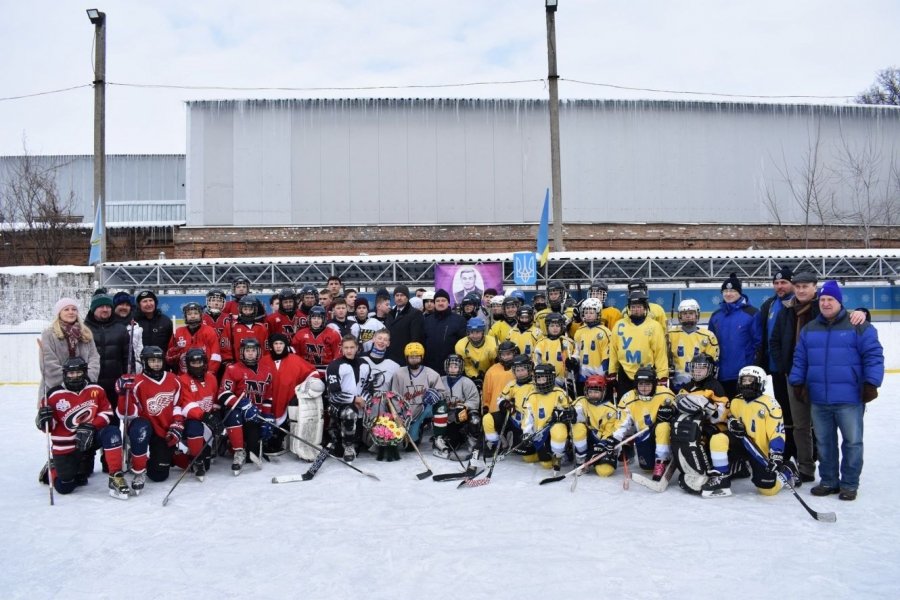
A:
(759, 47)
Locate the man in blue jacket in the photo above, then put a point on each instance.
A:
(837, 368)
(739, 333)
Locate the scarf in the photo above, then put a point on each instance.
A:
(72, 335)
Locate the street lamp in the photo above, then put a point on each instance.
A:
(553, 79)
(98, 20)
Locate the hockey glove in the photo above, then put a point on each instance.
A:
(736, 428)
(869, 393)
(44, 417)
(612, 379)
(776, 461)
(607, 444)
(663, 381)
(576, 312)
(665, 414)
(431, 397)
(563, 415)
(572, 364)
(214, 423)
(84, 436)
(251, 413)
(174, 434)
(463, 415)
(124, 384)
(504, 405)
(266, 427)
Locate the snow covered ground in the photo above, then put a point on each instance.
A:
(343, 535)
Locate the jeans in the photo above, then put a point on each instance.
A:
(828, 419)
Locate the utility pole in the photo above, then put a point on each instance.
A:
(99, 21)
(553, 80)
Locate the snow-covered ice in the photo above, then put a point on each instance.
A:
(343, 535)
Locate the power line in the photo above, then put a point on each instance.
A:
(720, 94)
(68, 89)
(320, 89)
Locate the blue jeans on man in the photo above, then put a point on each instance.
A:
(839, 470)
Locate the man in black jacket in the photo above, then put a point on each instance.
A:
(111, 339)
(157, 326)
(443, 328)
(405, 324)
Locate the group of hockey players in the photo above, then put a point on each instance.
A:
(557, 382)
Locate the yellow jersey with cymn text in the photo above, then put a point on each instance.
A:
(634, 346)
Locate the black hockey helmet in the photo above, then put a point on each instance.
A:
(525, 314)
(645, 375)
(192, 307)
(75, 371)
(249, 344)
(701, 367)
(153, 353)
(196, 361)
(506, 352)
(455, 361)
(544, 378)
(519, 362)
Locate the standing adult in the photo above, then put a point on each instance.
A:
(112, 342)
(405, 324)
(735, 326)
(837, 368)
(66, 337)
(443, 328)
(157, 326)
(123, 310)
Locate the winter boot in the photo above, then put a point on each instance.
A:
(137, 484)
(118, 487)
(717, 486)
(44, 475)
(440, 448)
(659, 469)
(237, 463)
(349, 453)
(199, 469)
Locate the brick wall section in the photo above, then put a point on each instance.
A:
(219, 242)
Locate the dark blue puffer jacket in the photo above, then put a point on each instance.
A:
(739, 333)
(835, 359)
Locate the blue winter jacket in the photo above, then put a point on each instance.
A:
(835, 359)
(739, 333)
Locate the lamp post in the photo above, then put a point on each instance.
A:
(553, 80)
(98, 19)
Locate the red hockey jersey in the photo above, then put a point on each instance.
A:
(157, 401)
(71, 409)
(198, 396)
(288, 373)
(204, 338)
(255, 384)
(320, 349)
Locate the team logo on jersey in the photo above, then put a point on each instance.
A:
(83, 413)
(158, 403)
(314, 353)
(413, 392)
(63, 405)
(256, 390)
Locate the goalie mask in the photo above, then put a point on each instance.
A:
(544, 378)
(751, 382)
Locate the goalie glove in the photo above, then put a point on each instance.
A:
(665, 414)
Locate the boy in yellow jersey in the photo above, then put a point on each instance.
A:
(755, 420)
(596, 418)
(656, 312)
(548, 405)
(509, 407)
(638, 340)
(525, 334)
(648, 406)
(687, 340)
(478, 350)
(609, 315)
(496, 306)
(556, 303)
(592, 342)
(499, 375)
(557, 350)
(501, 326)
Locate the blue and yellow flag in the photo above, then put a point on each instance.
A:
(96, 239)
(543, 240)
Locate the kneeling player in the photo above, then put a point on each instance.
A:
(648, 406)
(458, 419)
(198, 395)
(597, 418)
(78, 416)
(548, 414)
(420, 386)
(509, 407)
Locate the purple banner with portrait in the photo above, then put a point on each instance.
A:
(459, 280)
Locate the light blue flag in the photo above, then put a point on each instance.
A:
(543, 240)
(96, 239)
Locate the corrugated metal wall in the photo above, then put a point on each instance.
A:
(139, 187)
(357, 162)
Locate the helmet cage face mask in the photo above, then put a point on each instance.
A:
(453, 365)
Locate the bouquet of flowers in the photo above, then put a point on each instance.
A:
(385, 429)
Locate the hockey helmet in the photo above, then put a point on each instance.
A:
(193, 313)
(645, 376)
(196, 361)
(544, 378)
(701, 367)
(75, 371)
(453, 365)
(751, 382)
(522, 368)
(153, 359)
(595, 389)
(247, 345)
(688, 312)
(414, 349)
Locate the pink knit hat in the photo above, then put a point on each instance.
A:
(62, 303)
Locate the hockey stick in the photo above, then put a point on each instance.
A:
(583, 466)
(43, 402)
(206, 443)
(656, 486)
(425, 474)
(756, 454)
(626, 480)
(525, 441)
(468, 472)
(471, 481)
(311, 471)
(318, 448)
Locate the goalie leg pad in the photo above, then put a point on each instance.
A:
(307, 422)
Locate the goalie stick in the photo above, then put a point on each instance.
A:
(311, 472)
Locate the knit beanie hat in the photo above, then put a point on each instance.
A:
(442, 293)
(144, 294)
(382, 293)
(831, 288)
(786, 273)
(732, 283)
(101, 300)
(361, 301)
(62, 303)
(401, 289)
(122, 298)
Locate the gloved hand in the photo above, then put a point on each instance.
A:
(607, 444)
(736, 428)
(504, 405)
(251, 412)
(572, 364)
(800, 393)
(576, 312)
(776, 461)
(84, 436)
(44, 417)
(212, 420)
(869, 393)
(563, 415)
(611, 380)
(663, 381)
(430, 397)
(124, 383)
(665, 414)
(174, 433)
(266, 426)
